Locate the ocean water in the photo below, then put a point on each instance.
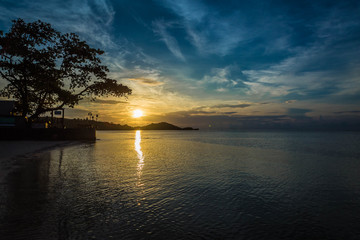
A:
(187, 185)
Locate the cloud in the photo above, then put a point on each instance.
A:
(222, 79)
(160, 27)
(290, 101)
(348, 112)
(207, 30)
(305, 75)
(219, 76)
(190, 10)
(221, 90)
(298, 111)
(138, 77)
(325, 68)
(147, 81)
(260, 90)
(106, 101)
(243, 105)
(212, 110)
(90, 19)
(196, 112)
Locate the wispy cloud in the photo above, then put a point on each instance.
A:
(326, 68)
(91, 19)
(207, 30)
(143, 75)
(161, 28)
(307, 74)
(290, 101)
(221, 79)
(260, 90)
(104, 101)
(219, 76)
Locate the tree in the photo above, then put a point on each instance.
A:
(46, 70)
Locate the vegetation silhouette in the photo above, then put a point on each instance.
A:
(46, 70)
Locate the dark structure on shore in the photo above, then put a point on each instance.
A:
(14, 127)
(48, 134)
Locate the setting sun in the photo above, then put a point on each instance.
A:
(137, 113)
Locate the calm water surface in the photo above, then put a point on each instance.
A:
(187, 185)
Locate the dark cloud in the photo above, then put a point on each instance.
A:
(147, 81)
(298, 111)
(191, 113)
(104, 101)
(348, 112)
(203, 110)
(231, 106)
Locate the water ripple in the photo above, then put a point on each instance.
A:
(141, 185)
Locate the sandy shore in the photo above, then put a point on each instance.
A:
(10, 150)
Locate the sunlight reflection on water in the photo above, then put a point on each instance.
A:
(140, 156)
(138, 150)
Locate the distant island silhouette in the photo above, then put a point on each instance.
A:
(164, 126)
(83, 123)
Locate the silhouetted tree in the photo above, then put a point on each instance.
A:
(46, 70)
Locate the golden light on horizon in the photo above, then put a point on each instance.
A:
(137, 113)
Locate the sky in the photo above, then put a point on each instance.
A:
(216, 64)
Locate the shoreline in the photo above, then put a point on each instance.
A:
(11, 151)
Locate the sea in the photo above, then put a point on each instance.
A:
(186, 185)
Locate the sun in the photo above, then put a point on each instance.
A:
(137, 113)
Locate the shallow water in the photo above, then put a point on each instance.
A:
(188, 185)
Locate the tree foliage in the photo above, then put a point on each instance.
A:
(46, 70)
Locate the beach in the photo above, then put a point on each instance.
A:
(10, 151)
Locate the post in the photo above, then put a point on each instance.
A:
(52, 119)
(63, 118)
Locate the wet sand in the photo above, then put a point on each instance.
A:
(11, 150)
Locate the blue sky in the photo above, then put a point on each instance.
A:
(216, 63)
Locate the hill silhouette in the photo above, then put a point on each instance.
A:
(83, 123)
(161, 126)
